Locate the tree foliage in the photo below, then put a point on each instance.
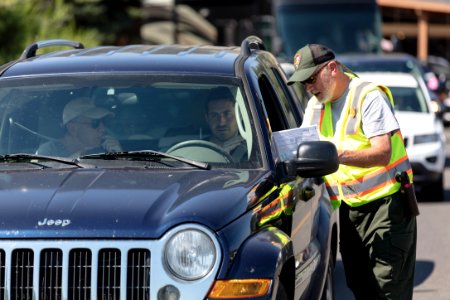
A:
(119, 21)
(14, 31)
(92, 22)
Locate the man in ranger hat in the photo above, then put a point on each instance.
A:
(377, 231)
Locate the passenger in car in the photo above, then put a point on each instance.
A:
(84, 131)
(221, 119)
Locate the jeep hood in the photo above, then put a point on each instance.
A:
(120, 203)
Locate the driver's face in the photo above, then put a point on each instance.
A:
(89, 131)
(221, 119)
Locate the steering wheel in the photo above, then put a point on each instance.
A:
(200, 150)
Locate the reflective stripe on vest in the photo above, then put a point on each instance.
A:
(316, 119)
(352, 124)
(376, 180)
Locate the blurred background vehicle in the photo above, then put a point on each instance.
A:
(339, 32)
(397, 62)
(422, 131)
(441, 68)
(392, 62)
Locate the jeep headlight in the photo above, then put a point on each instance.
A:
(190, 254)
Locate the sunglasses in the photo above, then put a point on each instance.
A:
(94, 124)
(312, 79)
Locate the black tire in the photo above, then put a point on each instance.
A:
(328, 289)
(433, 192)
(281, 292)
(437, 189)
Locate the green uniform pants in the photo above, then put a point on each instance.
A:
(378, 249)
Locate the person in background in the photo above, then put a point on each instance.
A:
(221, 119)
(84, 131)
(377, 231)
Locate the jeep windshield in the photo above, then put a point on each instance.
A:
(201, 119)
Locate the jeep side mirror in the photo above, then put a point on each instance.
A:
(314, 159)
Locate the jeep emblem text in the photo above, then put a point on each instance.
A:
(56, 222)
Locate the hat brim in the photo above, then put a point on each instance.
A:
(97, 113)
(302, 75)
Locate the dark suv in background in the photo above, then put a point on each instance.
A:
(169, 214)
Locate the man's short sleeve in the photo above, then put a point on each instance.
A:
(378, 115)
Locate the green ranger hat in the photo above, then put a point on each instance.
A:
(308, 59)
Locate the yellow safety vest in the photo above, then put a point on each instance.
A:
(354, 185)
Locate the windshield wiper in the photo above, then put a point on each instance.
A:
(145, 155)
(26, 157)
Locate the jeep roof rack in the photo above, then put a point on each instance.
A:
(251, 44)
(30, 51)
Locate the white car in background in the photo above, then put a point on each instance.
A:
(422, 130)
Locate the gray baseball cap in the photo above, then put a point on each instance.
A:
(83, 107)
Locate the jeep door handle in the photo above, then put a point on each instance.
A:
(307, 193)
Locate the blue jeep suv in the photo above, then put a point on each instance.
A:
(168, 213)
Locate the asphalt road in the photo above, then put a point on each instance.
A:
(432, 278)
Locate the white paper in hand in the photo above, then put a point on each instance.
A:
(287, 141)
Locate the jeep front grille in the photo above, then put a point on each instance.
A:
(74, 270)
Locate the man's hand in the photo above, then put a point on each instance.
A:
(111, 144)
